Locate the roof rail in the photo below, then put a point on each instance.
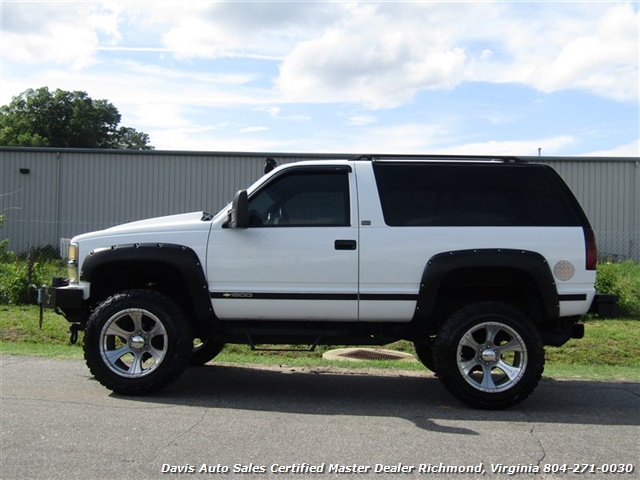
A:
(444, 158)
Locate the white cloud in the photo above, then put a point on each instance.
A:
(602, 59)
(253, 29)
(383, 54)
(67, 33)
(403, 138)
(631, 149)
(253, 129)
(549, 146)
(343, 67)
(155, 103)
(437, 139)
(376, 54)
(359, 120)
(219, 138)
(192, 73)
(277, 114)
(373, 57)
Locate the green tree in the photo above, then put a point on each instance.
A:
(40, 118)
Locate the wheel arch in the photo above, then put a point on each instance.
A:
(453, 279)
(171, 269)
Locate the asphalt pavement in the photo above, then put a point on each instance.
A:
(236, 422)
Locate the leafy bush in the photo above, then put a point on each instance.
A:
(622, 279)
(14, 286)
(20, 275)
(18, 280)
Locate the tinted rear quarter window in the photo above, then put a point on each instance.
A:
(455, 194)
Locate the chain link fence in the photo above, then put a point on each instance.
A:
(50, 241)
(617, 246)
(48, 196)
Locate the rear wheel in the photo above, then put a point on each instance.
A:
(489, 355)
(137, 342)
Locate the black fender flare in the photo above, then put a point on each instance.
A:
(440, 265)
(181, 258)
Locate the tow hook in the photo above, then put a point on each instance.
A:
(73, 330)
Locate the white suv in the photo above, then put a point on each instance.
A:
(479, 261)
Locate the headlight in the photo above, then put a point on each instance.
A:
(72, 263)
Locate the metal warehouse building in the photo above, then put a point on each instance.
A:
(50, 194)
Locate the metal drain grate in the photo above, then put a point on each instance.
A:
(362, 354)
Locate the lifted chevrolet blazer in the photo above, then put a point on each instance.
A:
(479, 261)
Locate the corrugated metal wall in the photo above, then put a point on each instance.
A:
(71, 191)
(104, 189)
(607, 189)
(29, 198)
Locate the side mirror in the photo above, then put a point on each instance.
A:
(239, 214)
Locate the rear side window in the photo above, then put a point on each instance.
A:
(474, 195)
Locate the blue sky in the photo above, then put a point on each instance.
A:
(348, 77)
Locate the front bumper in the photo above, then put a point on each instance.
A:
(60, 296)
(67, 301)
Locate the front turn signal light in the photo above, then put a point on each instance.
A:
(72, 263)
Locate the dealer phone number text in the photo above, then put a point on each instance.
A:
(588, 468)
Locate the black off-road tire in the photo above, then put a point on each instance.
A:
(489, 355)
(137, 342)
(424, 352)
(205, 350)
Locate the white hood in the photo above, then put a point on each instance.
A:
(173, 224)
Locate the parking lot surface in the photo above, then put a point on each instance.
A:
(240, 422)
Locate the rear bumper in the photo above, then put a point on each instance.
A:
(605, 306)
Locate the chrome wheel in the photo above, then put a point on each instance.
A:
(133, 342)
(489, 355)
(492, 357)
(137, 342)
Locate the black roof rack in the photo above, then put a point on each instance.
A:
(450, 158)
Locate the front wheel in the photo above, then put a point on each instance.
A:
(424, 352)
(489, 355)
(137, 342)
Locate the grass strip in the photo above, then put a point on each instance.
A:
(610, 350)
